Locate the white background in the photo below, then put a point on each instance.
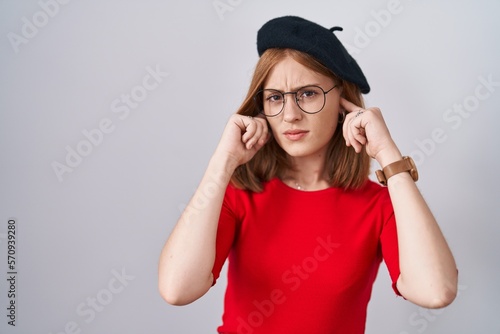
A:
(112, 213)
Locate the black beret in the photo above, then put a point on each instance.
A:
(293, 32)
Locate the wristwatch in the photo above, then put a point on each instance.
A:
(405, 165)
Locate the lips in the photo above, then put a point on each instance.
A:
(296, 134)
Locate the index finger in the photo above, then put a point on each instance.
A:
(348, 105)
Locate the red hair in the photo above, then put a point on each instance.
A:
(344, 167)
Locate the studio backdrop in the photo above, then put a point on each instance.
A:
(110, 111)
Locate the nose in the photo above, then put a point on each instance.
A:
(291, 110)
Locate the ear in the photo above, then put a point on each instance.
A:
(341, 90)
(342, 115)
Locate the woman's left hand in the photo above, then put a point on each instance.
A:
(366, 127)
(428, 275)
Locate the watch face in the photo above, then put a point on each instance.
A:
(413, 171)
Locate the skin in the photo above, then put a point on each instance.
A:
(428, 271)
(307, 154)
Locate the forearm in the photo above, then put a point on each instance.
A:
(187, 259)
(428, 270)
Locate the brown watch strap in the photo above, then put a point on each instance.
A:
(404, 165)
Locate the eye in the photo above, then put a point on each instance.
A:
(273, 97)
(308, 93)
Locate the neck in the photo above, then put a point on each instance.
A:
(308, 173)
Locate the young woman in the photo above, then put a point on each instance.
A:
(286, 197)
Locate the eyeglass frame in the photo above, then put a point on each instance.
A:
(296, 99)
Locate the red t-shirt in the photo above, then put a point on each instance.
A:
(303, 262)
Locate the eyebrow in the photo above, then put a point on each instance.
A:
(296, 88)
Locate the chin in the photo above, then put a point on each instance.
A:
(299, 152)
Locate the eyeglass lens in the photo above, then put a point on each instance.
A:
(310, 99)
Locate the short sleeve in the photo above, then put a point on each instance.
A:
(226, 231)
(389, 244)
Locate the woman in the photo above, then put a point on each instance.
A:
(286, 196)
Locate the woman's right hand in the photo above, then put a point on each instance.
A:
(188, 257)
(243, 136)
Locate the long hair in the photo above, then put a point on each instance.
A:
(344, 167)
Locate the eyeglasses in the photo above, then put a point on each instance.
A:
(310, 99)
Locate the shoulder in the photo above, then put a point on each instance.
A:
(380, 194)
(371, 194)
(368, 190)
(371, 188)
(243, 198)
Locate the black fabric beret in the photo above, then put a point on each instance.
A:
(293, 32)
